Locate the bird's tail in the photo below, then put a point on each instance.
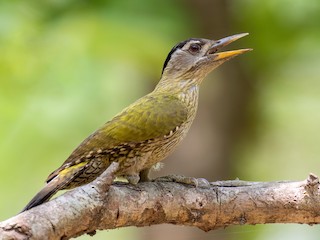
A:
(44, 195)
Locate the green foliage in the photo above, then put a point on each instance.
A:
(68, 66)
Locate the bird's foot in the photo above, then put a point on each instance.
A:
(132, 179)
(197, 182)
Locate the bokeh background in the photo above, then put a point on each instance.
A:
(68, 66)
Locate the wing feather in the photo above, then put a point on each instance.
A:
(150, 117)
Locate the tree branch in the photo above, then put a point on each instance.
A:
(95, 207)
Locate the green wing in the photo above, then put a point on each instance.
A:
(150, 117)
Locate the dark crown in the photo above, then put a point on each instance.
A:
(178, 46)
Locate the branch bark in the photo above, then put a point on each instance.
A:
(97, 207)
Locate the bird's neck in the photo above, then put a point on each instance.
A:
(185, 90)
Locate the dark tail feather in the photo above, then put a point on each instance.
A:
(43, 196)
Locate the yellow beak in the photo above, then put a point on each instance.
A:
(230, 54)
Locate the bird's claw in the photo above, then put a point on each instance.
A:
(197, 182)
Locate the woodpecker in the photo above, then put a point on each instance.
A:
(148, 130)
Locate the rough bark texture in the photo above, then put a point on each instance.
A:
(92, 207)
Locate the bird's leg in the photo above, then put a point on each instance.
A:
(144, 175)
(132, 179)
(197, 182)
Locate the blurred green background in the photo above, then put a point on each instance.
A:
(66, 67)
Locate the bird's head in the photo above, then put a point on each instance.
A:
(195, 58)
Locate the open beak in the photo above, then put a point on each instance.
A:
(224, 42)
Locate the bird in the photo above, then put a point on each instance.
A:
(148, 130)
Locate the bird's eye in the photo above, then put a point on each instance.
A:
(195, 48)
